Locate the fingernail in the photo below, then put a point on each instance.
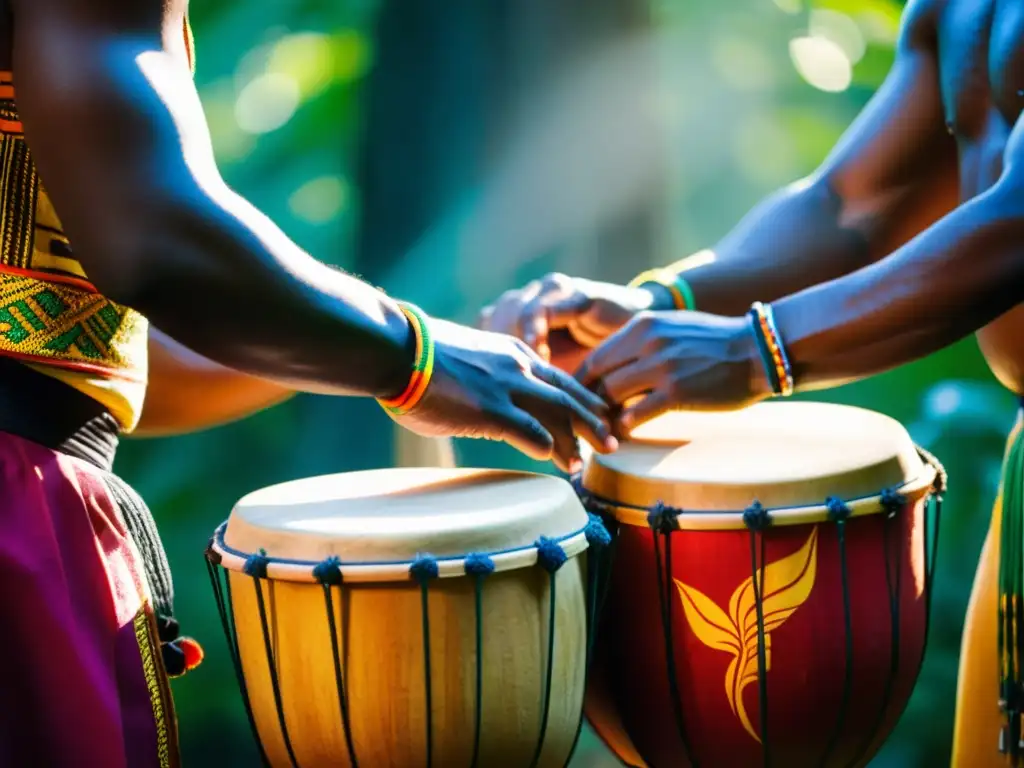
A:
(611, 444)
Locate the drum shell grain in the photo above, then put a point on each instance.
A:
(380, 638)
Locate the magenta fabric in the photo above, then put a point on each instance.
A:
(82, 682)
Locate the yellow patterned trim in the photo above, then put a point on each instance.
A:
(159, 694)
(59, 321)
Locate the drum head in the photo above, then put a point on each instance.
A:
(784, 455)
(392, 515)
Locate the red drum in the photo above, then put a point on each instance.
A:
(768, 598)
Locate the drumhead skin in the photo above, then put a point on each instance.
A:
(783, 455)
(391, 516)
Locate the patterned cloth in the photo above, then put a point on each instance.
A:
(84, 682)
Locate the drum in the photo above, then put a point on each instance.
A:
(353, 647)
(769, 592)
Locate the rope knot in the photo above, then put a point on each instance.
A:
(596, 533)
(328, 571)
(479, 565)
(212, 555)
(892, 501)
(838, 510)
(662, 518)
(550, 555)
(424, 568)
(256, 565)
(756, 517)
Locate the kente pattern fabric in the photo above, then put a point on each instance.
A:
(51, 316)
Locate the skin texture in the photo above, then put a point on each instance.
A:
(157, 229)
(906, 239)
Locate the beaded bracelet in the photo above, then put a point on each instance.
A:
(682, 293)
(423, 366)
(773, 352)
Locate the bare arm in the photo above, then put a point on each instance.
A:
(187, 392)
(944, 284)
(891, 175)
(120, 139)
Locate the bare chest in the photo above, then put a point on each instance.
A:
(980, 46)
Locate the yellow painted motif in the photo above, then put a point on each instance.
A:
(787, 585)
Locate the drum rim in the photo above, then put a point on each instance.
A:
(731, 520)
(288, 569)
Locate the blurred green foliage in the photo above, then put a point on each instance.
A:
(287, 88)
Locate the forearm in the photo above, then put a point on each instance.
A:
(225, 282)
(793, 239)
(943, 285)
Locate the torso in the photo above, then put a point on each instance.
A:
(981, 59)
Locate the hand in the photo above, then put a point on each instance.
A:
(489, 385)
(676, 360)
(562, 318)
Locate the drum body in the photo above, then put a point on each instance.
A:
(773, 608)
(353, 648)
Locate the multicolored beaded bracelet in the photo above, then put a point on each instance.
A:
(773, 352)
(682, 293)
(423, 366)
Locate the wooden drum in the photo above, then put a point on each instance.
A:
(354, 647)
(769, 591)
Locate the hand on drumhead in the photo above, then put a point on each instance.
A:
(489, 385)
(562, 318)
(664, 361)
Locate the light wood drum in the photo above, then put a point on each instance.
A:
(354, 647)
(769, 595)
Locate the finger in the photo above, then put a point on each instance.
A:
(484, 319)
(533, 325)
(547, 405)
(563, 381)
(526, 434)
(636, 378)
(508, 309)
(564, 416)
(653, 405)
(617, 350)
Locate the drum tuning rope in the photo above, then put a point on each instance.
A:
(550, 555)
(664, 521)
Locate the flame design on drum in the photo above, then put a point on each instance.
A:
(787, 585)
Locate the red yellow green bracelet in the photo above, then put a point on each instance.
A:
(682, 293)
(423, 365)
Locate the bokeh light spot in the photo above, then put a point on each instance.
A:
(351, 55)
(307, 58)
(822, 63)
(841, 30)
(266, 103)
(319, 200)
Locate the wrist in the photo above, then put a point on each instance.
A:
(420, 348)
(659, 281)
(771, 350)
(661, 299)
